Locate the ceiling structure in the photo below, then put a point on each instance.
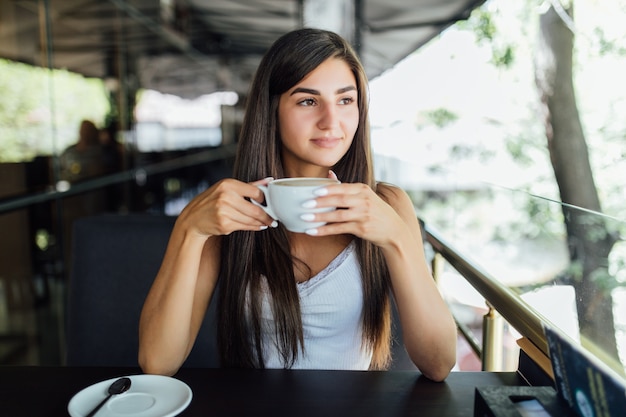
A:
(194, 47)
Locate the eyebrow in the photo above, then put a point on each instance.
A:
(317, 93)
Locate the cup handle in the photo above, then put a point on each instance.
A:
(268, 205)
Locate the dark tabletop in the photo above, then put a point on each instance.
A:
(46, 391)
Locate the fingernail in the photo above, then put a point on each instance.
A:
(309, 204)
(320, 191)
(263, 227)
(311, 232)
(307, 217)
(274, 224)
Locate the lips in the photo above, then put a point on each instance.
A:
(326, 142)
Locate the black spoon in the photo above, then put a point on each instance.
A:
(117, 387)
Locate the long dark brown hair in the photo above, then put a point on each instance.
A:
(246, 256)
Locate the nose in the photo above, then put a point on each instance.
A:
(329, 117)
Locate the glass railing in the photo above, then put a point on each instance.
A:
(510, 251)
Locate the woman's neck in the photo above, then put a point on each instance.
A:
(316, 252)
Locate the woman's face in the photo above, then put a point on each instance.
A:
(318, 118)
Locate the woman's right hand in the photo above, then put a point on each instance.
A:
(178, 299)
(224, 208)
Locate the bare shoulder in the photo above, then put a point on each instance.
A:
(400, 201)
(395, 196)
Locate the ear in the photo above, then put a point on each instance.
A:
(331, 174)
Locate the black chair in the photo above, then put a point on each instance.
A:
(114, 261)
(400, 360)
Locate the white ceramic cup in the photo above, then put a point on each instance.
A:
(284, 199)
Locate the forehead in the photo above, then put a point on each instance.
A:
(334, 73)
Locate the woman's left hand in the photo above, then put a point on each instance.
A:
(360, 212)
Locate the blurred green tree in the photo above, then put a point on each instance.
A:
(41, 109)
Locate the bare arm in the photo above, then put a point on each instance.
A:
(429, 331)
(176, 304)
(173, 311)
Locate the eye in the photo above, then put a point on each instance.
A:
(306, 102)
(346, 100)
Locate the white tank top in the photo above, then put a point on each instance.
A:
(331, 303)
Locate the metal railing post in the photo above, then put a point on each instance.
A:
(493, 329)
(508, 304)
(437, 266)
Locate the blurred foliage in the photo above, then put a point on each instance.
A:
(484, 25)
(530, 208)
(41, 109)
(440, 117)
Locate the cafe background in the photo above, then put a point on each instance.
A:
(457, 121)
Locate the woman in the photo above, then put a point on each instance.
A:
(319, 299)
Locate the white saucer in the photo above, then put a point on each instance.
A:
(148, 396)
